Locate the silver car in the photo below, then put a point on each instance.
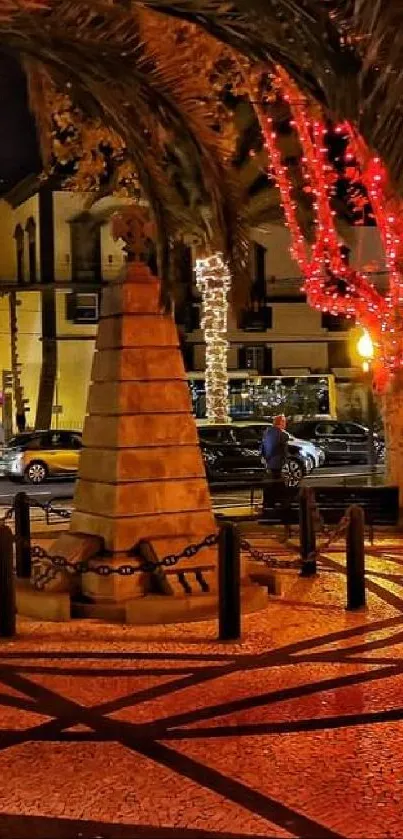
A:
(314, 455)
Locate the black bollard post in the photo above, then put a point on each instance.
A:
(229, 583)
(307, 535)
(355, 552)
(7, 587)
(22, 536)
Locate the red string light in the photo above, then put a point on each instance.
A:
(329, 282)
(388, 213)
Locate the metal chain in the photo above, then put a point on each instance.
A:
(60, 563)
(340, 528)
(57, 563)
(48, 508)
(189, 552)
(317, 515)
(269, 560)
(272, 561)
(38, 504)
(8, 514)
(59, 511)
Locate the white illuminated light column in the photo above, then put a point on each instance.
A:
(213, 280)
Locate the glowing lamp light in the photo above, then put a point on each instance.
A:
(365, 349)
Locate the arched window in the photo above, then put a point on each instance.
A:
(30, 229)
(19, 244)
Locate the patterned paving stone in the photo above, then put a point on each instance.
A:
(230, 689)
(164, 732)
(90, 688)
(115, 784)
(349, 779)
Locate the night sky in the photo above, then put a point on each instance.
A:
(19, 155)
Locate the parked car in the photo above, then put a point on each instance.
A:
(234, 451)
(315, 455)
(36, 455)
(342, 442)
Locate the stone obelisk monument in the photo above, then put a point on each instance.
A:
(141, 472)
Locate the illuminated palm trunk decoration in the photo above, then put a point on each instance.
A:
(213, 280)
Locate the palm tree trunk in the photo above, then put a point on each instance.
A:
(49, 361)
(213, 281)
(15, 366)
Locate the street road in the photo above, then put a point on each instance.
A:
(65, 488)
(43, 492)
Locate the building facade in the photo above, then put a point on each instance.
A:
(56, 254)
(277, 333)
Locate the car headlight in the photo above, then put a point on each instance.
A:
(15, 461)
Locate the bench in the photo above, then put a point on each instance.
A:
(380, 505)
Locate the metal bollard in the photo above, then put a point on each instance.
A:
(22, 536)
(355, 552)
(7, 587)
(307, 535)
(229, 583)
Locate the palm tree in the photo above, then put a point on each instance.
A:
(165, 97)
(345, 53)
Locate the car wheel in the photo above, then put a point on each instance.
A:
(293, 472)
(36, 472)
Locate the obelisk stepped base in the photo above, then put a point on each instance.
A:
(141, 473)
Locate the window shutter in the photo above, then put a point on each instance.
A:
(269, 317)
(260, 271)
(268, 361)
(71, 306)
(242, 358)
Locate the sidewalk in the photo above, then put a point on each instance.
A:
(119, 733)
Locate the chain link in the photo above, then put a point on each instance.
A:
(7, 515)
(59, 511)
(269, 560)
(48, 509)
(57, 563)
(338, 531)
(320, 526)
(320, 523)
(189, 551)
(317, 515)
(272, 562)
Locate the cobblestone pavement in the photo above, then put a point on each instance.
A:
(118, 732)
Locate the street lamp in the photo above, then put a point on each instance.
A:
(365, 349)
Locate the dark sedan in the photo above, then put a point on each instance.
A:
(234, 451)
(342, 442)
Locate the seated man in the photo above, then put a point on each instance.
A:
(274, 447)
